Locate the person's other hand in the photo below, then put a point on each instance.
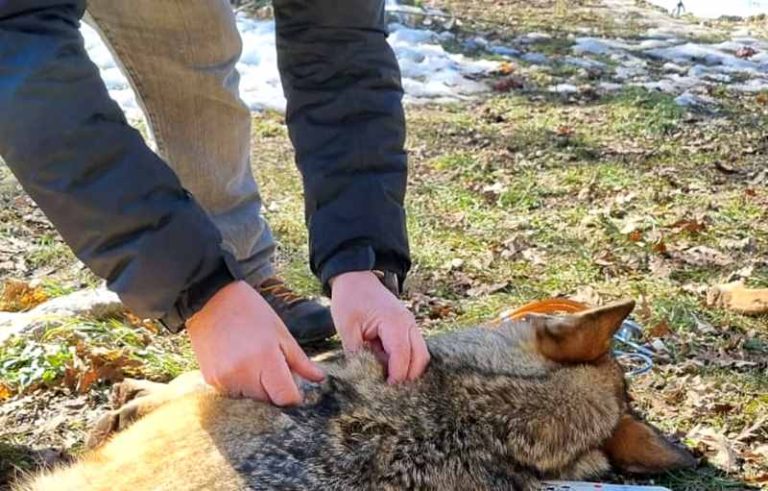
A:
(367, 314)
(244, 349)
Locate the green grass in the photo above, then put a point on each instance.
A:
(42, 360)
(561, 181)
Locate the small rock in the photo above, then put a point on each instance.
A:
(98, 303)
(95, 302)
(659, 346)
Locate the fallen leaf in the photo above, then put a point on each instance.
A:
(691, 226)
(746, 52)
(659, 247)
(506, 68)
(660, 330)
(710, 440)
(587, 295)
(703, 256)
(750, 431)
(487, 289)
(506, 84)
(635, 236)
(565, 131)
(759, 453)
(762, 98)
(86, 379)
(5, 392)
(659, 267)
(19, 296)
(761, 478)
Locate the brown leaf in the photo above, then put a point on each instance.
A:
(566, 131)
(746, 52)
(659, 247)
(660, 330)
(5, 392)
(757, 454)
(760, 478)
(691, 226)
(86, 379)
(506, 84)
(19, 296)
(635, 236)
(507, 68)
(762, 98)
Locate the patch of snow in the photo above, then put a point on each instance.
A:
(700, 53)
(733, 45)
(533, 37)
(260, 86)
(673, 84)
(587, 63)
(717, 8)
(708, 73)
(598, 46)
(536, 58)
(689, 99)
(564, 89)
(754, 85)
(658, 43)
(674, 68)
(505, 51)
(609, 86)
(476, 42)
(428, 71)
(630, 66)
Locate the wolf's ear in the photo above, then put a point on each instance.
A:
(639, 448)
(582, 337)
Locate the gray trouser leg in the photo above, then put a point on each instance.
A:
(180, 57)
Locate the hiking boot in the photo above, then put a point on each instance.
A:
(307, 320)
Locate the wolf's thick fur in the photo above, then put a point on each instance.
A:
(499, 408)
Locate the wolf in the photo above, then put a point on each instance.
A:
(501, 407)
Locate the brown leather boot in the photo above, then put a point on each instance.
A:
(308, 321)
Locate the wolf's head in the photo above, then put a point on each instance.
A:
(561, 392)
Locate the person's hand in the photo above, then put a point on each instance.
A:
(244, 349)
(367, 314)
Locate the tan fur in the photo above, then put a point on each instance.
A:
(495, 410)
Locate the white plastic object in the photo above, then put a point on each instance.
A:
(595, 486)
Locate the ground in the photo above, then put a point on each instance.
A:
(518, 194)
